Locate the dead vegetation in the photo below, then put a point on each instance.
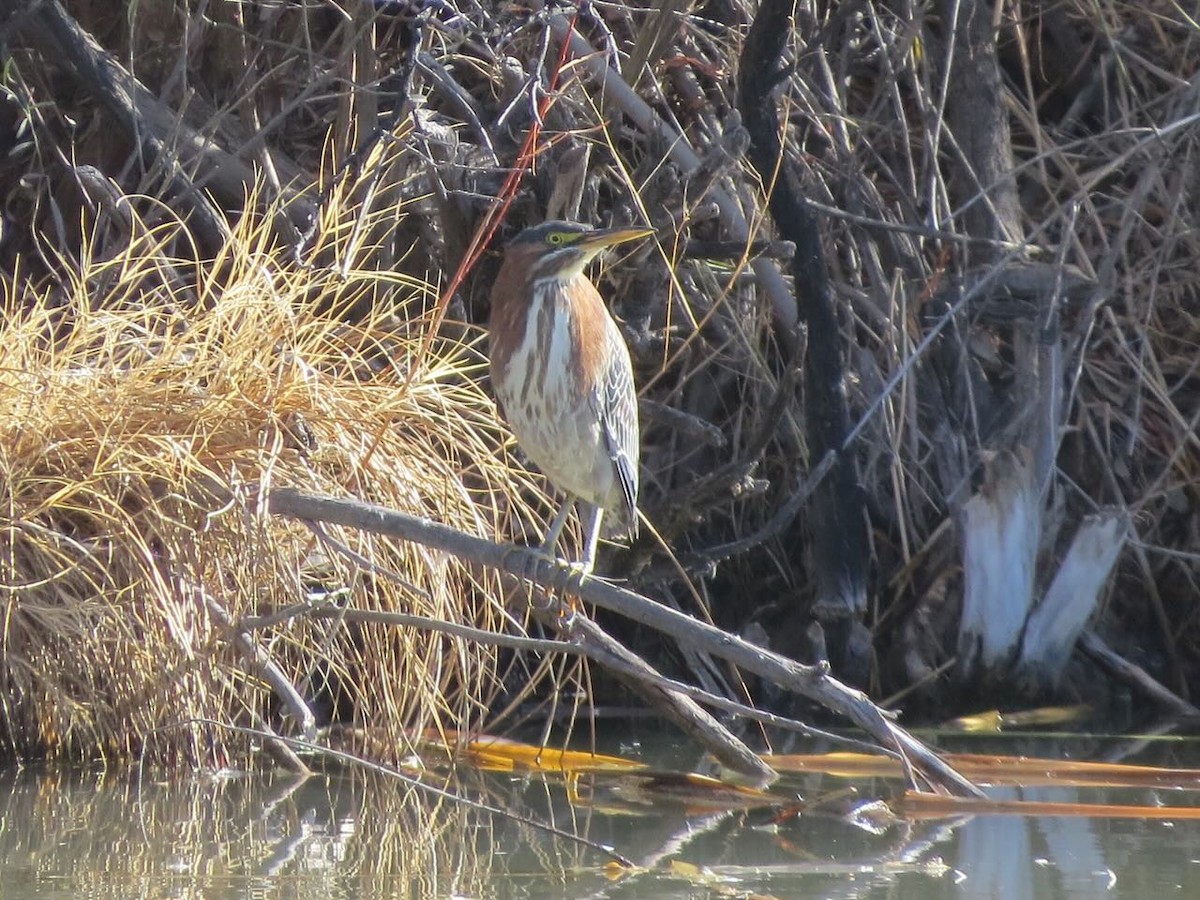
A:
(149, 405)
(159, 379)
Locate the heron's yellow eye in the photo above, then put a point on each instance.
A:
(556, 238)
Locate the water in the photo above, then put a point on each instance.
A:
(78, 834)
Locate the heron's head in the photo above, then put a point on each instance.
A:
(562, 249)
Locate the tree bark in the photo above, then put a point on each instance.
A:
(981, 179)
(839, 546)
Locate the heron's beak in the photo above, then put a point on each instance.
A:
(603, 238)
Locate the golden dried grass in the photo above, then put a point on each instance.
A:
(147, 406)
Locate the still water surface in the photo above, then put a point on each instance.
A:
(76, 834)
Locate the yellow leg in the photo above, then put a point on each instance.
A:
(592, 516)
(556, 527)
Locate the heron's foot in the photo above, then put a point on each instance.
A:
(573, 583)
(565, 577)
(525, 562)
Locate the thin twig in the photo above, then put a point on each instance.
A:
(405, 620)
(274, 676)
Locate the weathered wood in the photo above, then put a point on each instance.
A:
(285, 691)
(1135, 676)
(1056, 623)
(1001, 528)
(568, 645)
(681, 709)
(982, 186)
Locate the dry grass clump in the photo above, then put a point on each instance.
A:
(147, 405)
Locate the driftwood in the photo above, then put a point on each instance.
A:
(260, 659)
(813, 682)
(1059, 619)
(320, 608)
(638, 674)
(1135, 676)
(1007, 630)
(1001, 529)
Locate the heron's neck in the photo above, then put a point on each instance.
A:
(558, 281)
(558, 269)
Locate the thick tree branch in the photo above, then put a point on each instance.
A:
(982, 185)
(839, 545)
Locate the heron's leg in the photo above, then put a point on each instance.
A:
(592, 514)
(556, 527)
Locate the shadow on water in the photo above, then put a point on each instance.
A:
(72, 833)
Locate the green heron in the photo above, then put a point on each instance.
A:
(561, 372)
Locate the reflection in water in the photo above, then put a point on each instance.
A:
(109, 835)
(355, 834)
